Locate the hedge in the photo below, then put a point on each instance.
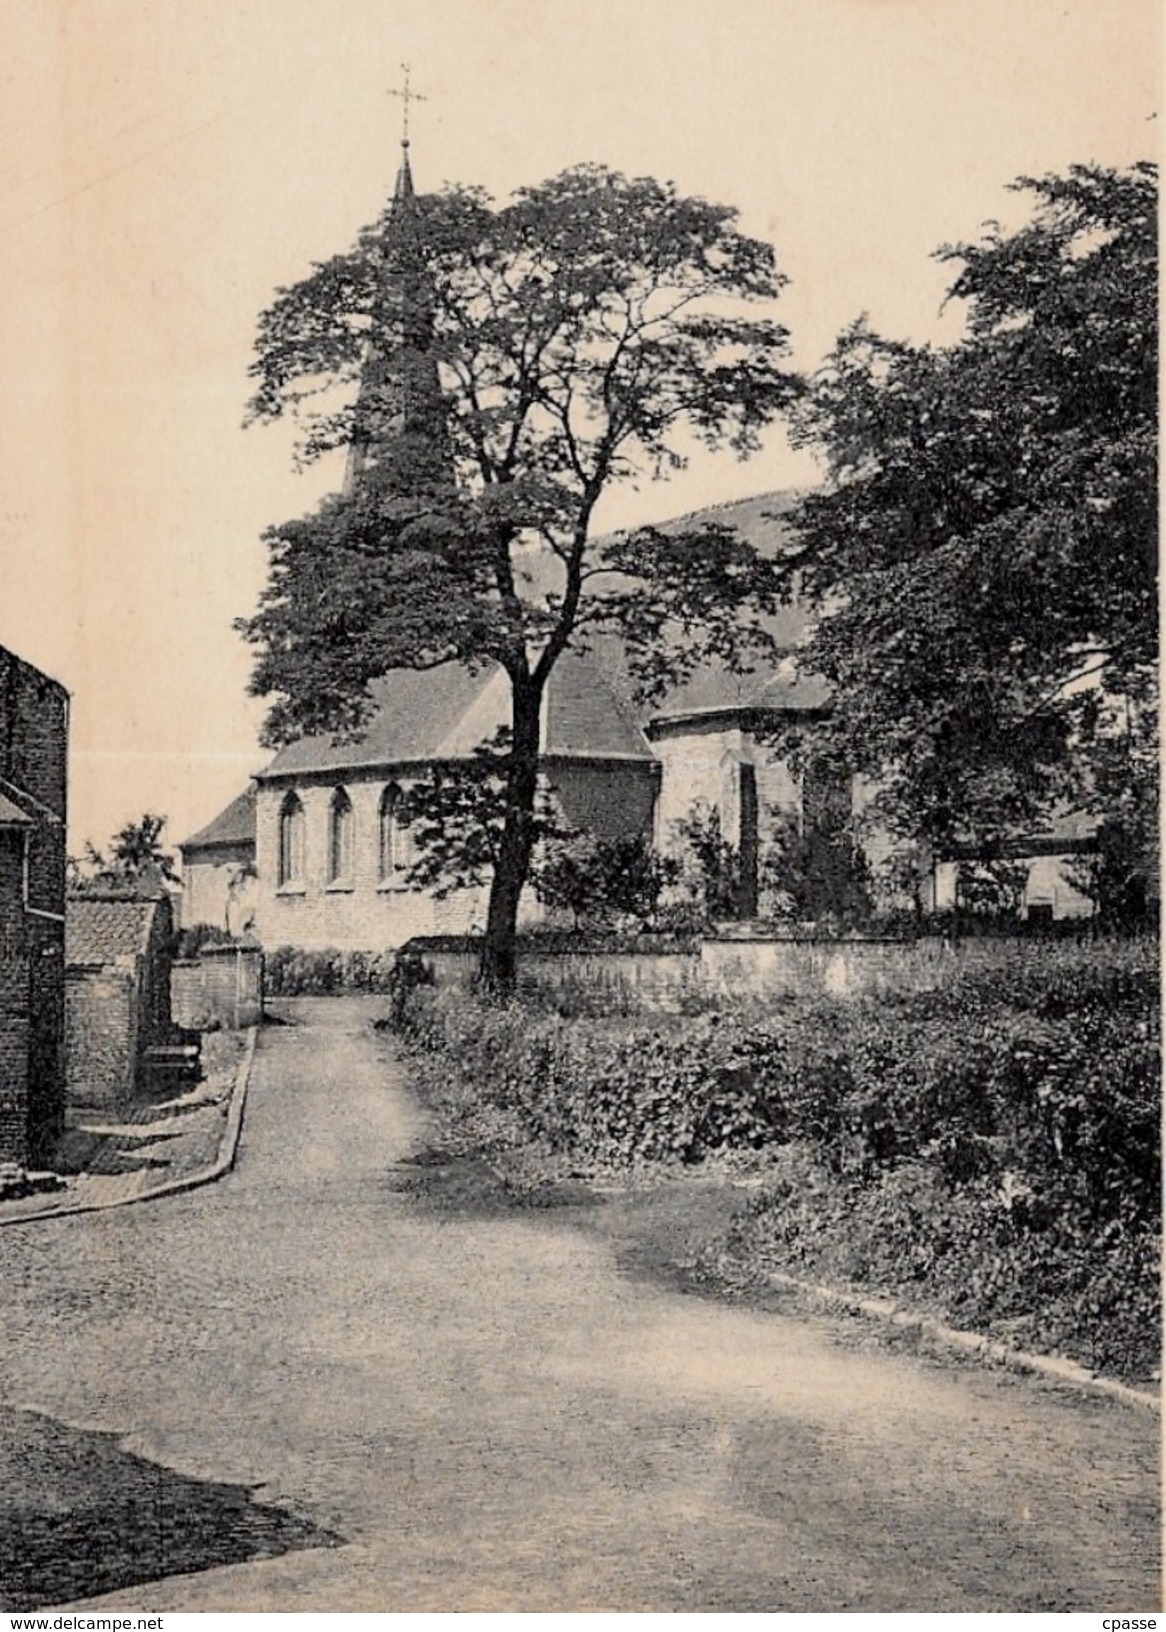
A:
(994, 1144)
(290, 972)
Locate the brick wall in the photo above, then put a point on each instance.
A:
(46, 1039)
(34, 717)
(13, 1001)
(101, 1030)
(222, 986)
(115, 1011)
(33, 729)
(155, 1023)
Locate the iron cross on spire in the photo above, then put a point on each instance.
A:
(406, 96)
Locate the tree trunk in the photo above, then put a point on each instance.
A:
(498, 968)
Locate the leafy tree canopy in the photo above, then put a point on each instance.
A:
(504, 367)
(984, 559)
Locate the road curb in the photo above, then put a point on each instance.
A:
(223, 1163)
(975, 1343)
(935, 1331)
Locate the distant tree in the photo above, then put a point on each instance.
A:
(135, 857)
(514, 363)
(991, 886)
(984, 559)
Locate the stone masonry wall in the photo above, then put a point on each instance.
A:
(13, 1001)
(206, 885)
(361, 914)
(101, 1031)
(222, 986)
(754, 967)
(698, 765)
(34, 719)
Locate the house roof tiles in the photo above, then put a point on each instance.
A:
(101, 929)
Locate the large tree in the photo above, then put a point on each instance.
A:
(505, 367)
(984, 557)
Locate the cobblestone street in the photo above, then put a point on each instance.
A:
(344, 1401)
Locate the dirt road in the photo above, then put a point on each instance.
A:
(298, 1389)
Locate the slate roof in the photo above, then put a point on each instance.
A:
(590, 714)
(716, 690)
(233, 826)
(99, 929)
(586, 717)
(444, 713)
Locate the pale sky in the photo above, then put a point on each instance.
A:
(166, 164)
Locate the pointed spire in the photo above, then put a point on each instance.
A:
(404, 187)
(399, 382)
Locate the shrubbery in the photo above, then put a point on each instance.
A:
(290, 972)
(603, 881)
(993, 1146)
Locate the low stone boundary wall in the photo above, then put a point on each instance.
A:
(223, 986)
(754, 966)
(656, 980)
(841, 968)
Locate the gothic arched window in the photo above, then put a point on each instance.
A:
(291, 840)
(392, 838)
(340, 838)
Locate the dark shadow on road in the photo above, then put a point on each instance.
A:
(79, 1516)
(452, 1186)
(82, 1151)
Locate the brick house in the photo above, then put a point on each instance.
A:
(118, 956)
(34, 729)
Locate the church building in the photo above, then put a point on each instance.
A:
(316, 849)
(316, 853)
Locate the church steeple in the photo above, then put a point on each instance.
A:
(404, 187)
(399, 402)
